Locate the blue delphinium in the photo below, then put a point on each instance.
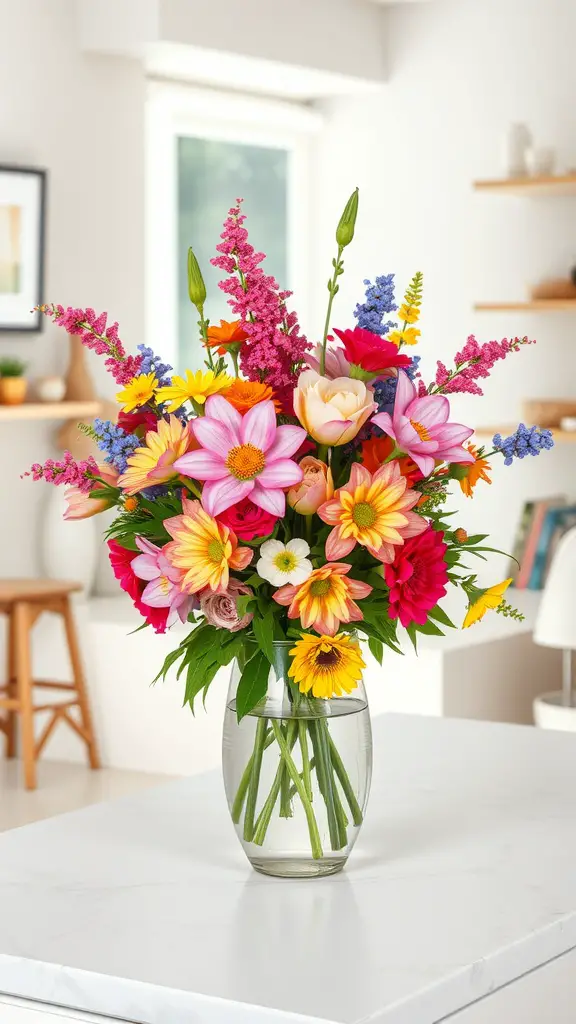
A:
(117, 444)
(524, 441)
(379, 301)
(151, 364)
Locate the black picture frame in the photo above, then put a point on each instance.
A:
(27, 321)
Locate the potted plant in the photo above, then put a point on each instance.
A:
(12, 381)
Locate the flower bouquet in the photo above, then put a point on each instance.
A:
(289, 505)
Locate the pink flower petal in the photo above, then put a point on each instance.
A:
(219, 409)
(214, 436)
(280, 473)
(415, 526)
(425, 463)
(259, 426)
(287, 441)
(337, 546)
(145, 567)
(146, 546)
(272, 501)
(155, 594)
(430, 411)
(384, 421)
(201, 465)
(218, 495)
(405, 393)
(455, 454)
(333, 430)
(452, 433)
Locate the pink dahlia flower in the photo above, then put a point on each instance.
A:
(163, 587)
(420, 427)
(242, 456)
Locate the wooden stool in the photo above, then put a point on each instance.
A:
(23, 601)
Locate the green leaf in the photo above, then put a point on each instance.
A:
(198, 678)
(168, 662)
(376, 649)
(411, 630)
(253, 684)
(255, 581)
(242, 604)
(429, 629)
(439, 615)
(377, 581)
(264, 633)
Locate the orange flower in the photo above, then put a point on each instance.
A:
(203, 549)
(243, 394)
(376, 451)
(472, 472)
(325, 599)
(373, 510)
(224, 337)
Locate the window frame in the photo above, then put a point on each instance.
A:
(175, 110)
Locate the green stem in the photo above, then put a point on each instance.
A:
(306, 774)
(308, 529)
(285, 801)
(323, 452)
(342, 774)
(234, 356)
(325, 781)
(393, 454)
(191, 486)
(293, 788)
(202, 324)
(259, 741)
(332, 288)
(245, 781)
(265, 815)
(295, 776)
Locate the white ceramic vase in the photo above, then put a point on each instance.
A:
(551, 713)
(68, 549)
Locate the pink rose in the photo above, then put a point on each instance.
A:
(220, 609)
(247, 520)
(316, 487)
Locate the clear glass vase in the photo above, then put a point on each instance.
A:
(297, 774)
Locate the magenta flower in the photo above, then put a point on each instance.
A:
(163, 587)
(242, 456)
(420, 428)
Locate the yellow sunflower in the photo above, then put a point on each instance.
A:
(326, 665)
(138, 391)
(490, 598)
(196, 388)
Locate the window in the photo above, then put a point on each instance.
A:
(205, 150)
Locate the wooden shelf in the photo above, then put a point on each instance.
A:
(49, 411)
(560, 436)
(532, 306)
(548, 185)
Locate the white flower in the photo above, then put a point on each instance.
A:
(284, 563)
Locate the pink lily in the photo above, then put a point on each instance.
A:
(79, 503)
(420, 427)
(163, 589)
(242, 456)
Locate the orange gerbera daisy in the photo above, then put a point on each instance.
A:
(154, 463)
(203, 549)
(377, 449)
(468, 474)
(224, 337)
(325, 599)
(243, 394)
(373, 510)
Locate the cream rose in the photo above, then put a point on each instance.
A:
(332, 411)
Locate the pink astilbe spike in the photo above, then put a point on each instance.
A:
(95, 335)
(67, 471)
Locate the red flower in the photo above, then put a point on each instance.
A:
(247, 520)
(137, 422)
(370, 352)
(417, 577)
(121, 561)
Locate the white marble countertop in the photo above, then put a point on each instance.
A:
(463, 880)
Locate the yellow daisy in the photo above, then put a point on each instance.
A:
(326, 665)
(154, 463)
(138, 391)
(490, 598)
(196, 388)
(409, 336)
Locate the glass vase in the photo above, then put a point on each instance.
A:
(297, 774)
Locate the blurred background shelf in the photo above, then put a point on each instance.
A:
(48, 411)
(560, 436)
(531, 306)
(548, 185)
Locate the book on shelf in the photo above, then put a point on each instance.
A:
(542, 524)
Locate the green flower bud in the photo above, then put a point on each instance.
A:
(196, 286)
(347, 223)
(459, 471)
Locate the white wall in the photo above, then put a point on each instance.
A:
(81, 117)
(459, 72)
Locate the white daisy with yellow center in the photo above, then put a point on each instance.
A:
(284, 563)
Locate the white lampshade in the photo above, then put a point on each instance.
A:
(556, 621)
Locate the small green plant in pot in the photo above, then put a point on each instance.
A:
(12, 381)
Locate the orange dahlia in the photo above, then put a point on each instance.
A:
(373, 510)
(203, 549)
(376, 450)
(468, 474)
(243, 394)
(325, 599)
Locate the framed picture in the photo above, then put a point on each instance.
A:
(22, 234)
